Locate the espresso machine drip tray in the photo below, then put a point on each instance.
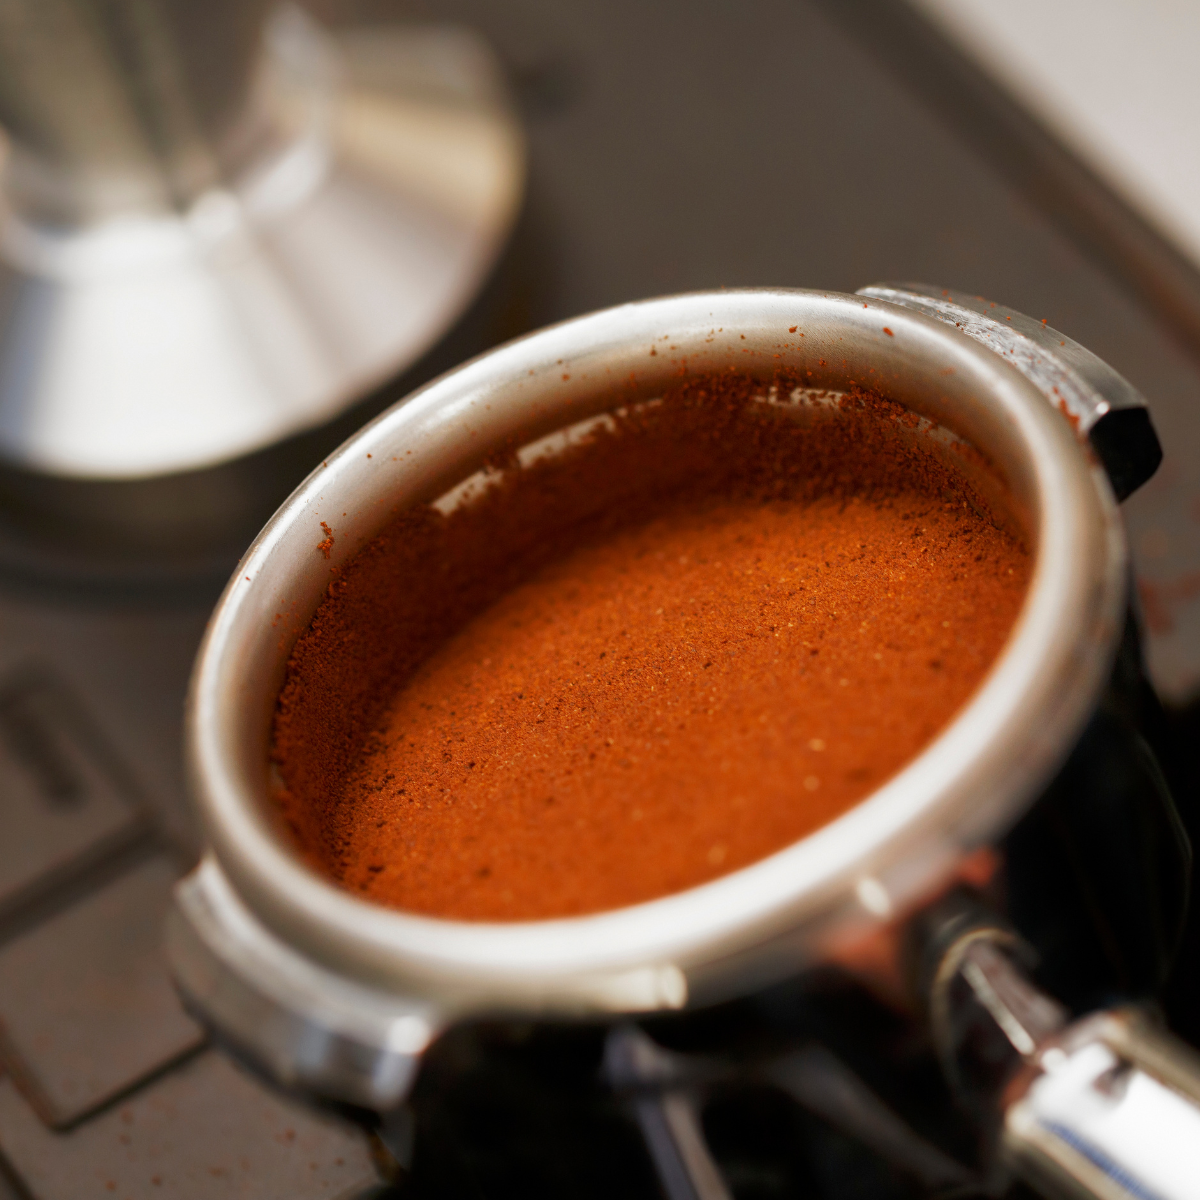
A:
(670, 148)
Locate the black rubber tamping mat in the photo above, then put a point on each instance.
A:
(87, 1010)
(67, 802)
(201, 1132)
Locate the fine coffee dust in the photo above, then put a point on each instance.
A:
(642, 663)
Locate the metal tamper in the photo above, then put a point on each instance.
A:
(220, 225)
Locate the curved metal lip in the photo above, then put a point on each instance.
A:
(969, 783)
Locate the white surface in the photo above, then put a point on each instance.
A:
(1115, 80)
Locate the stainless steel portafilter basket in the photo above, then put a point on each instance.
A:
(338, 997)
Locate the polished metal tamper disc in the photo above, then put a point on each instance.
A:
(221, 227)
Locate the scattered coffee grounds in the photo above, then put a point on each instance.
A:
(702, 631)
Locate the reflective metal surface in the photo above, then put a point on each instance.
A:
(1104, 1108)
(755, 925)
(1097, 401)
(215, 233)
(311, 1029)
(1112, 1113)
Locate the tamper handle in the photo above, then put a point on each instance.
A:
(120, 107)
(1106, 1107)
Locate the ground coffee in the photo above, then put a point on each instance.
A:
(705, 629)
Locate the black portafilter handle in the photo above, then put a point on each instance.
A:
(1106, 1106)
